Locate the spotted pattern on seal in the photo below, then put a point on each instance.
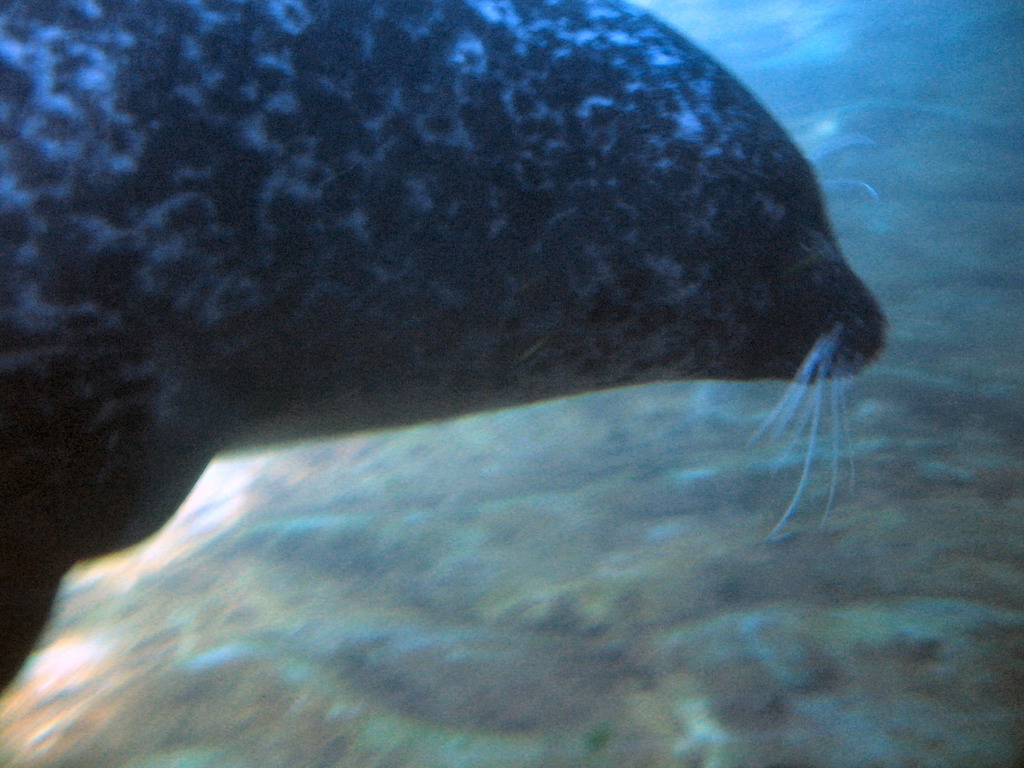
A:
(225, 222)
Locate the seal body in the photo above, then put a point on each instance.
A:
(229, 222)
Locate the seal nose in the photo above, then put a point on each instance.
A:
(862, 337)
(830, 296)
(814, 303)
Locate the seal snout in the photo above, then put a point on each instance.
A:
(862, 325)
(831, 300)
(860, 341)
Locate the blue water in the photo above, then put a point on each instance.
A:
(587, 582)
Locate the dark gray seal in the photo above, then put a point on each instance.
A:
(229, 222)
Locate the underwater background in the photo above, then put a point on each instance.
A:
(587, 582)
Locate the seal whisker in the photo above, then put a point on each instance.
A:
(844, 383)
(838, 143)
(836, 391)
(802, 416)
(797, 429)
(857, 183)
(782, 415)
(812, 445)
(816, 365)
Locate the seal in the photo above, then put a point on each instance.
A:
(226, 223)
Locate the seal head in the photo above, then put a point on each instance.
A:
(227, 223)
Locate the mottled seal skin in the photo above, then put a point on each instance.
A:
(230, 222)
